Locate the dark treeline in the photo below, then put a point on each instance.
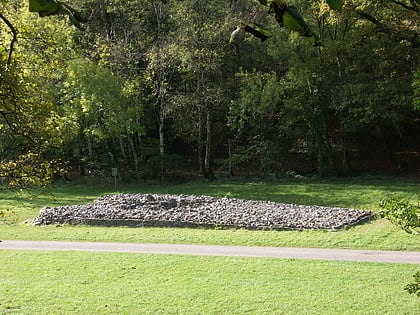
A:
(158, 88)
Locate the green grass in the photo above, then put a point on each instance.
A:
(360, 193)
(38, 282)
(111, 283)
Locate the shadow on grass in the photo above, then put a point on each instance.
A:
(358, 193)
(352, 193)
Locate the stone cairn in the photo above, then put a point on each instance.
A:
(201, 211)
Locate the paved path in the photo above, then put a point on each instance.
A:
(215, 250)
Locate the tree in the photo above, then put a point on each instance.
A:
(96, 115)
(341, 103)
(160, 69)
(258, 119)
(202, 37)
(27, 107)
(174, 77)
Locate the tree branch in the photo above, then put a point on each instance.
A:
(413, 7)
(413, 39)
(14, 38)
(14, 129)
(372, 19)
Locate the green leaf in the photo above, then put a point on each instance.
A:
(335, 4)
(43, 7)
(294, 21)
(51, 7)
(279, 7)
(254, 29)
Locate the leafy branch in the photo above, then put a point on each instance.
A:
(406, 216)
(402, 213)
(414, 288)
(53, 7)
(289, 17)
(285, 15)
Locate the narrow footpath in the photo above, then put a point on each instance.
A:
(401, 257)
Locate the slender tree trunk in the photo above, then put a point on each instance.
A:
(139, 144)
(319, 131)
(90, 154)
(230, 156)
(123, 153)
(345, 162)
(200, 142)
(323, 147)
(160, 89)
(208, 156)
(135, 156)
(161, 139)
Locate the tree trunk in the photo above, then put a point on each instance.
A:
(135, 156)
(90, 154)
(230, 156)
(124, 155)
(200, 142)
(207, 158)
(161, 139)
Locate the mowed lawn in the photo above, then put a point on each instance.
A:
(110, 283)
(359, 193)
(116, 283)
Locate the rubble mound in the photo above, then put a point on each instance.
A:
(201, 211)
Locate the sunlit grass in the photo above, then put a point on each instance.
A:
(360, 193)
(33, 282)
(115, 283)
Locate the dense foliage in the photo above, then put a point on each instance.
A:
(157, 87)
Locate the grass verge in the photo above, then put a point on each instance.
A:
(111, 283)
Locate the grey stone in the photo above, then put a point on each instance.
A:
(206, 211)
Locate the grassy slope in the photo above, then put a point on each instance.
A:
(355, 193)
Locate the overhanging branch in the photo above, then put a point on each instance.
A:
(14, 38)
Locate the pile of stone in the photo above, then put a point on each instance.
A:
(206, 211)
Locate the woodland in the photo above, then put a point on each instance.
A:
(167, 87)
